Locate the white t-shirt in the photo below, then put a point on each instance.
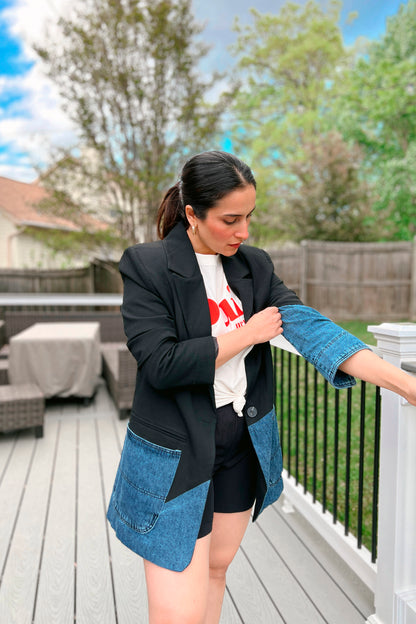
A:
(226, 312)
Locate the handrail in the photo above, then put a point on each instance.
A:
(60, 299)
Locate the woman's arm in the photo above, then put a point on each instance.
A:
(261, 327)
(368, 366)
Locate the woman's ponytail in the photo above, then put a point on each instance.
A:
(171, 211)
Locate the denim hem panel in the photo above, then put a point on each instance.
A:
(272, 495)
(264, 435)
(171, 542)
(320, 341)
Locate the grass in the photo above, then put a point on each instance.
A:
(359, 329)
(328, 438)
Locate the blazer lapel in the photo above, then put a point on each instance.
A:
(188, 283)
(240, 281)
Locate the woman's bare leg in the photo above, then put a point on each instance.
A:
(227, 532)
(179, 597)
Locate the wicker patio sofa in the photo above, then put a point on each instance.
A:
(2, 333)
(119, 372)
(22, 406)
(4, 371)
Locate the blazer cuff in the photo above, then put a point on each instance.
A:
(320, 341)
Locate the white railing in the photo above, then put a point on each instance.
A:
(393, 577)
(395, 596)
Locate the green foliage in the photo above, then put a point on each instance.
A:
(298, 85)
(127, 74)
(288, 64)
(76, 243)
(377, 107)
(328, 199)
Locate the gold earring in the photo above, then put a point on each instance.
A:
(193, 230)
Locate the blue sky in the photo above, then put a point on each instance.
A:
(31, 119)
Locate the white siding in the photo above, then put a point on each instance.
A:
(7, 231)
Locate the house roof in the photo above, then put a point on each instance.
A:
(18, 201)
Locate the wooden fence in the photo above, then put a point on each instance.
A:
(345, 281)
(100, 277)
(47, 281)
(367, 281)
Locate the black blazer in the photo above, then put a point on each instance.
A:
(168, 329)
(162, 481)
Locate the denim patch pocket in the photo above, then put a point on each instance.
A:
(143, 480)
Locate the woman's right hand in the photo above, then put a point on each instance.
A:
(264, 325)
(261, 327)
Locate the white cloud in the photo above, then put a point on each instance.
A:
(28, 20)
(34, 120)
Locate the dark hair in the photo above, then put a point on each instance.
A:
(205, 179)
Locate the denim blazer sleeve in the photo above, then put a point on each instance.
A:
(323, 343)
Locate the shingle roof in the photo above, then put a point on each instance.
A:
(18, 201)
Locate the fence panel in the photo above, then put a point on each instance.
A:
(368, 281)
(46, 281)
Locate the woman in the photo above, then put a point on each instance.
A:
(202, 444)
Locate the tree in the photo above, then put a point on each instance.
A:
(377, 108)
(328, 199)
(288, 64)
(126, 71)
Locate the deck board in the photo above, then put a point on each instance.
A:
(55, 599)
(283, 588)
(19, 584)
(95, 595)
(61, 562)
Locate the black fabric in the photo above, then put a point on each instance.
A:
(234, 476)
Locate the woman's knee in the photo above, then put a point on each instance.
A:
(185, 614)
(219, 563)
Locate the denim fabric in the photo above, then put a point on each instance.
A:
(265, 438)
(323, 343)
(164, 533)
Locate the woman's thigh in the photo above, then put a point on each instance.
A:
(227, 533)
(179, 597)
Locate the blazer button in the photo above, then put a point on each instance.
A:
(252, 412)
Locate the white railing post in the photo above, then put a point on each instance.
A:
(395, 598)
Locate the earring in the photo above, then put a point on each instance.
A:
(193, 230)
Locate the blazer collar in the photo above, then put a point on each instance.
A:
(180, 253)
(187, 278)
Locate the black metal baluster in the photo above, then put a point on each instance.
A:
(325, 450)
(348, 463)
(297, 418)
(305, 433)
(282, 392)
(315, 433)
(289, 411)
(376, 470)
(361, 468)
(336, 444)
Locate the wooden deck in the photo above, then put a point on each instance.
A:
(61, 563)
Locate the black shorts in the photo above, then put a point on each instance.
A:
(234, 476)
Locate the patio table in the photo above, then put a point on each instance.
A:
(63, 359)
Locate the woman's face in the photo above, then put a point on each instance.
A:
(225, 226)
